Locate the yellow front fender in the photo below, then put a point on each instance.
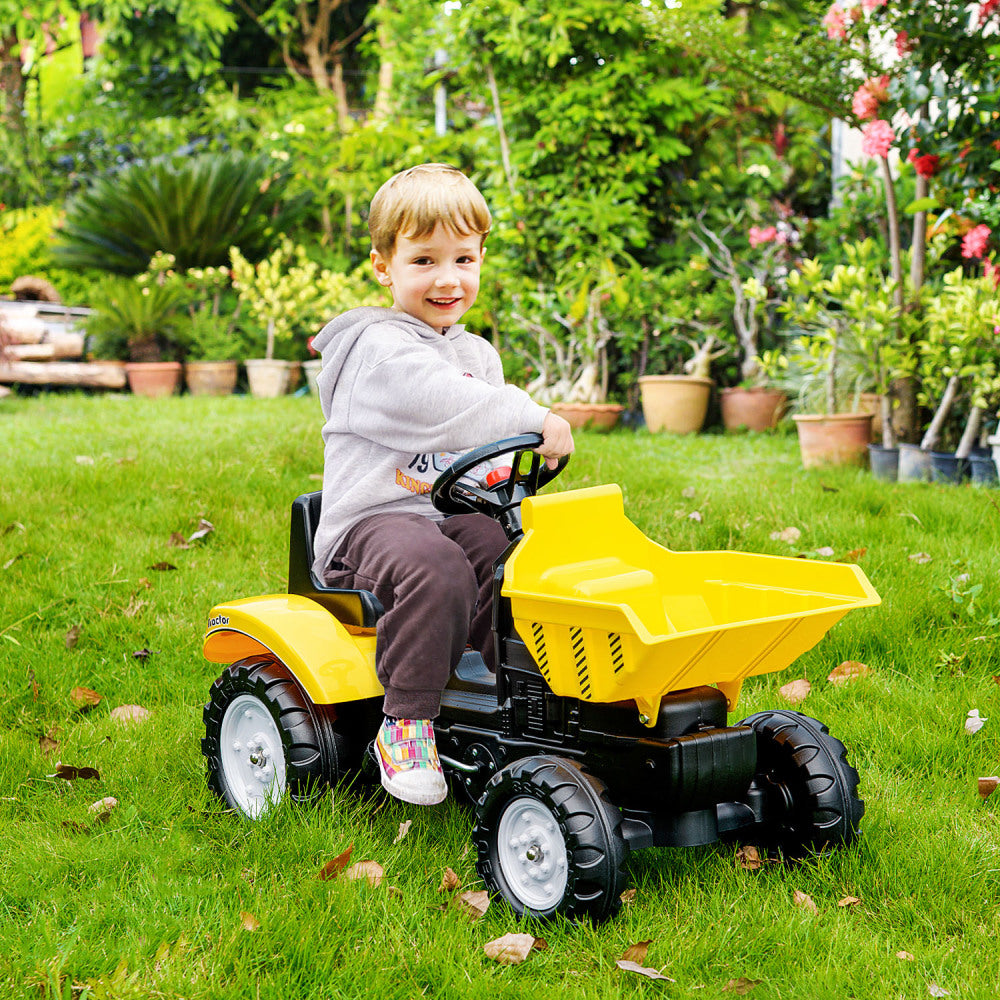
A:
(331, 663)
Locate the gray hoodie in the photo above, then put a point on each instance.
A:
(400, 399)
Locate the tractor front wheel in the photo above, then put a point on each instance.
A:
(549, 840)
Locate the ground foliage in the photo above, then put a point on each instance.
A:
(122, 521)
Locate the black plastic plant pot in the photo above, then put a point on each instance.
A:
(947, 467)
(884, 462)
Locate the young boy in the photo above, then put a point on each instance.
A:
(403, 390)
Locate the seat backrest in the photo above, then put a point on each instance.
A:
(351, 607)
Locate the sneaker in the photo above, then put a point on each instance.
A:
(408, 759)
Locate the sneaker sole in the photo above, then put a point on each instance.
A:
(414, 798)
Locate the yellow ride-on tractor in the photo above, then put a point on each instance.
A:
(605, 727)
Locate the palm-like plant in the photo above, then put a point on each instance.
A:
(194, 208)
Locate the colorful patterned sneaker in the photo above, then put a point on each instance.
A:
(408, 758)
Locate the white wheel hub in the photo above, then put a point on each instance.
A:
(531, 852)
(252, 756)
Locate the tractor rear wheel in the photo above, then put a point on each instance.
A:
(265, 739)
(810, 789)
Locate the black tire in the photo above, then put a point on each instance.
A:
(286, 744)
(571, 826)
(810, 789)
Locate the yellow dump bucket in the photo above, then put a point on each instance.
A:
(609, 615)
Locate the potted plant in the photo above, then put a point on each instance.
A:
(673, 354)
(209, 332)
(827, 315)
(289, 297)
(562, 334)
(135, 320)
(959, 378)
(756, 403)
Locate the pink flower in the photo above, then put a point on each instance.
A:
(974, 241)
(870, 5)
(760, 235)
(835, 22)
(869, 96)
(986, 9)
(903, 43)
(877, 138)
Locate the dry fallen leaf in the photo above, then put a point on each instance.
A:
(178, 541)
(370, 870)
(130, 713)
(36, 689)
(795, 691)
(102, 808)
(70, 773)
(974, 722)
(825, 550)
(790, 535)
(511, 949)
(404, 829)
(83, 698)
(905, 956)
(162, 567)
(336, 865)
(248, 921)
(848, 901)
(474, 904)
(449, 881)
(204, 528)
(695, 515)
(855, 555)
(688, 492)
(741, 985)
(637, 952)
(849, 670)
(748, 857)
(920, 557)
(72, 637)
(628, 966)
(804, 901)
(628, 896)
(84, 460)
(987, 786)
(47, 742)
(937, 991)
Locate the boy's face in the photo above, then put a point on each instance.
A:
(434, 278)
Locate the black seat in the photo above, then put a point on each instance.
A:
(360, 608)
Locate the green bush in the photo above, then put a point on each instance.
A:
(194, 208)
(26, 237)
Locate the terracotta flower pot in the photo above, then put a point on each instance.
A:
(675, 403)
(834, 438)
(756, 408)
(210, 378)
(153, 378)
(597, 416)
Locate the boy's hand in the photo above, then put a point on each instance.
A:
(557, 439)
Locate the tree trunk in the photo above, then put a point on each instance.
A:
(11, 84)
(386, 48)
(934, 430)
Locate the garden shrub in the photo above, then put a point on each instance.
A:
(194, 208)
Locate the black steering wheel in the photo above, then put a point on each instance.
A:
(453, 494)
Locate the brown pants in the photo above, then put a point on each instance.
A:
(435, 581)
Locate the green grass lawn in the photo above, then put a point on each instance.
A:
(156, 900)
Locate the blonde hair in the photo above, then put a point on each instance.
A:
(414, 201)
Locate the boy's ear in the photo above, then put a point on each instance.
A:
(381, 268)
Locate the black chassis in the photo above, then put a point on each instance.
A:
(683, 781)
